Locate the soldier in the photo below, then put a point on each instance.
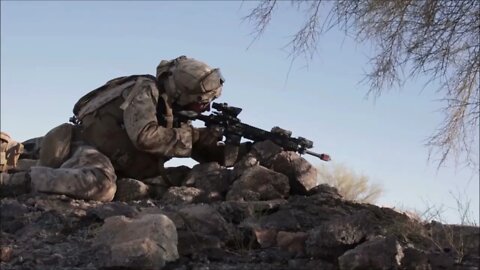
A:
(126, 128)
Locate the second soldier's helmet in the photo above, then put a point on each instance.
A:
(187, 81)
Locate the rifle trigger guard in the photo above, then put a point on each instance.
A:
(233, 139)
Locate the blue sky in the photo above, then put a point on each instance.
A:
(52, 53)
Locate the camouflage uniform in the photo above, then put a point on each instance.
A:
(126, 128)
(10, 151)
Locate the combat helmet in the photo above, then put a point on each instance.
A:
(187, 80)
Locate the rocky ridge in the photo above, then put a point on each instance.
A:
(265, 213)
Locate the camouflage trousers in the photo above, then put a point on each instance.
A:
(87, 174)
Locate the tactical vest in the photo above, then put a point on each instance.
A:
(99, 114)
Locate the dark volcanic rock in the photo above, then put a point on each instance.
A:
(378, 253)
(201, 227)
(130, 189)
(325, 191)
(301, 174)
(331, 239)
(265, 152)
(182, 195)
(263, 225)
(176, 175)
(212, 179)
(146, 242)
(111, 209)
(259, 183)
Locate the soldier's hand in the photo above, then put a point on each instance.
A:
(207, 136)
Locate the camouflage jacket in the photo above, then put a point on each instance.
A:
(121, 120)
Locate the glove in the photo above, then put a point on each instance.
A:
(207, 136)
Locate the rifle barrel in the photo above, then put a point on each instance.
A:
(320, 156)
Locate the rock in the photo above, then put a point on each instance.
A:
(380, 253)
(293, 242)
(455, 238)
(172, 176)
(325, 191)
(310, 211)
(194, 243)
(61, 204)
(331, 239)
(246, 162)
(415, 259)
(53, 259)
(259, 183)
(156, 181)
(9, 209)
(237, 211)
(298, 263)
(157, 186)
(301, 174)
(265, 227)
(471, 261)
(282, 220)
(147, 242)
(138, 253)
(14, 184)
(321, 265)
(46, 222)
(293, 232)
(202, 170)
(204, 219)
(202, 227)
(265, 151)
(5, 254)
(266, 237)
(441, 260)
(129, 189)
(107, 210)
(213, 179)
(182, 195)
(157, 192)
(176, 175)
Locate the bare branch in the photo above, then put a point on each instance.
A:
(437, 39)
(261, 16)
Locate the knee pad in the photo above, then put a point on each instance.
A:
(55, 146)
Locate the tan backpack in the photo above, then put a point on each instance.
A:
(10, 151)
(97, 98)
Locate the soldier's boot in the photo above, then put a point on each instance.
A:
(14, 184)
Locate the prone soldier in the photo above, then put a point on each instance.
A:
(129, 127)
(126, 128)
